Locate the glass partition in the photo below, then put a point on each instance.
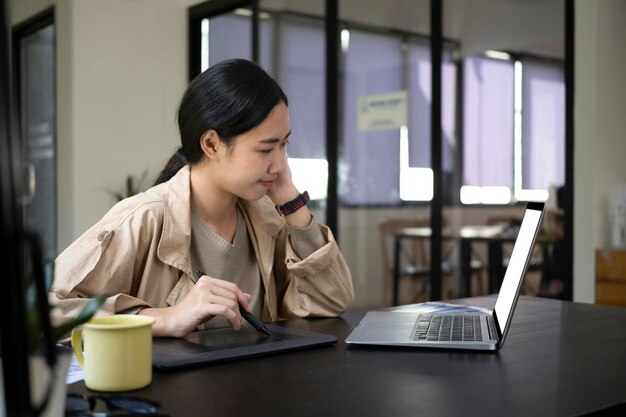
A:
(385, 180)
(38, 134)
(512, 109)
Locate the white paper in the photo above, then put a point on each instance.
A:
(382, 111)
(75, 372)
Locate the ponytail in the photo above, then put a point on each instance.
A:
(175, 163)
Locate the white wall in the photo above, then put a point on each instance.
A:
(129, 63)
(411, 15)
(600, 131)
(611, 107)
(514, 25)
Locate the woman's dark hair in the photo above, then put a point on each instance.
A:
(230, 97)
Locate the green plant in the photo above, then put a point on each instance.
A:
(134, 185)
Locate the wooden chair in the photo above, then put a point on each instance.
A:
(415, 259)
(511, 223)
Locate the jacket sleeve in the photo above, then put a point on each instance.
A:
(318, 285)
(105, 260)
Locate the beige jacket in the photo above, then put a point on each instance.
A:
(138, 255)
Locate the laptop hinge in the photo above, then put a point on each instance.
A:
(492, 328)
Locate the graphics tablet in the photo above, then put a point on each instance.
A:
(220, 345)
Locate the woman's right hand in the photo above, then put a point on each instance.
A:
(209, 297)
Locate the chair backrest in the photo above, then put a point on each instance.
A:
(504, 220)
(511, 223)
(387, 229)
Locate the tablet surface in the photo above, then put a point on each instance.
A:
(219, 345)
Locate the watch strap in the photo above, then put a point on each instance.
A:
(293, 205)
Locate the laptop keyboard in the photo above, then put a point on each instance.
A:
(463, 327)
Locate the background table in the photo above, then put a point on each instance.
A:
(560, 359)
(496, 237)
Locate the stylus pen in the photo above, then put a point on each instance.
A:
(249, 317)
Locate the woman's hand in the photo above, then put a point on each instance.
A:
(209, 297)
(283, 190)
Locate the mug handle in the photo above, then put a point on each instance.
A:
(77, 345)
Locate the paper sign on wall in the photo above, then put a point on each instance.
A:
(382, 111)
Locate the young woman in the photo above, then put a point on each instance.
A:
(225, 204)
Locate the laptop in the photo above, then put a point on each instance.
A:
(480, 331)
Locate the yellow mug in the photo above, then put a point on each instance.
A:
(115, 352)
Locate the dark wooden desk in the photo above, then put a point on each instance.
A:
(551, 365)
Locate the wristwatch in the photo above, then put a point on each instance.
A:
(293, 205)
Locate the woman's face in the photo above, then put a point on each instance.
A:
(254, 162)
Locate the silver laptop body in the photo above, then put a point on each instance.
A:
(481, 331)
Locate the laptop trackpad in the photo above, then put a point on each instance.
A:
(387, 326)
(390, 317)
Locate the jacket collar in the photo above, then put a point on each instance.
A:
(264, 224)
(176, 236)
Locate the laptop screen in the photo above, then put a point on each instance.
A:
(517, 265)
